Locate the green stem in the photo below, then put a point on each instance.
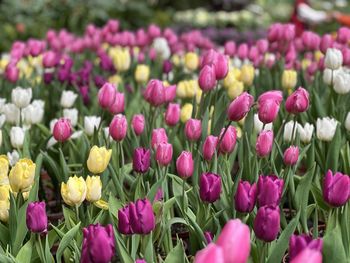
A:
(183, 197)
(42, 254)
(77, 212)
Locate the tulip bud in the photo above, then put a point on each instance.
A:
(164, 153)
(245, 197)
(240, 106)
(193, 129)
(221, 66)
(308, 255)
(119, 103)
(341, 83)
(91, 123)
(17, 135)
(291, 155)
(141, 160)
(208, 237)
(211, 253)
(138, 124)
(297, 244)
(230, 48)
(264, 143)
(21, 97)
(306, 132)
(209, 187)
(325, 128)
(267, 223)
(228, 142)
(247, 74)
(184, 164)
(242, 51)
(270, 189)
(191, 61)
(118, 127)
(209, 147)
(155, 93)
(268, 106)
(12, 113)
(62, 130)
(12, 72)
(36, 217)
(21, 176)
(172, 114)
(98, 244)
(207, 78)
(234, 239)
(336, 188)
(158, 136)
(106, 95)
(94, 188)
(298, 101)
(98, 159)
(186, 112)
(289, 79)
(167, 66)
(68, 98)
(71, 115)
(334, 58)
(142, 73)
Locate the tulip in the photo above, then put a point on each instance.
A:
(186, 112)
(209, 187)
(21, 97)
(326, 42)
(341, 83)
(308, 256)
(334, 59)
(155, 92)
(91, 123)
(191, 61)
(193, 129)
(141, 160)
(62, 130)
(207, 78)
(289, 128)
(124, 225)
(298, 101)
(98, 244)
(4, 169)
(118, 127)
(325, 128)
(208, 237)
(119, 103)
(242, 51)
(106, 95)
(267, 223)
(121, 59)
(94, 188)
(74, 191)
(164, 153)
(4, 210)
(329, 75)
(17, 135)
(184, 164)
(208, 58)
(158, 136)
(245, 197)
(138, 124)
(209, 147)
(167, 66)
(12, 113)
(247, 74)
(336, 188)
(142, 217)
(170, 93)
(221, 66)
(235, 89)
(172, 114)
(299, 243)
(258, 125)
(291, 155)
(98, 159)
(49, 59)
(33, 113)
(12, 73)
(227, 141)
(234, 239)
(230, 48)
(289, 79)
(306, 132)
(270, 189)
(262, 45)
(268, 106)
(36, 217)
(240, 106)
(161, 47)
(21, 176)
(68, 98)
(71, 115)
(140, 261)
(211, 253)
(142, 73)
(264, 143)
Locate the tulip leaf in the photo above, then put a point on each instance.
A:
(25, 253)
(122, 252)
(334, 150)
(279, 248)
(33, 195)
(21, 228)
(4, 235)
(66, 241)
(177, 254)
(317, 194)
(333, 249)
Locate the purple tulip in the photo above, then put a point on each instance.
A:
(36, 217)
(245, 197)
(336, 188)
(142, 218)
(141, 160)
(298, 101)
(298, 243)
(267, 223)
(270, 189)
(210, 187)
(62, 130)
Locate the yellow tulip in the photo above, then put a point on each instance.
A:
(318, 55)
(176, 60)
(74, 191)
(247, 74)
(4, 169)
(4, 210)
(199, 93)
(209, 127)
(21, 176)
(232, 76)
(239, 132)
(305, 63)
(186, 112)
(94, 188)
(142, 73)
(191, 61)
(101, 204)
(121, 59)
(115, 79)
(181, 90)
(98, 159)
(5, 192)
(289, 79)
(235, 89)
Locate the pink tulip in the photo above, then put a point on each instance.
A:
(185, 164)
(164, 153)
(310, 40)
(138, 124)
(50, 59)
(228, 142)
(234, 239)
(230, 48)
(253, 53)
(62, 130)
(343, 35)
(158, 136)
(118, 127)
(211, 253)
(308, 256)
(208, 58)
(119, 103)
(298, 101)
(264, 143)
(275, 32)
(268, 106)
(12, 72)
(170, 93)
(240, 106)
(209, 147)
(172, 114)
(242, 51)
(106, 95)
(221, 66)
(288, 32)
(326, 42)
(262, 45)
(153, 31)
(155, 93)
(291, 155)
(207, 78)
(193, 129)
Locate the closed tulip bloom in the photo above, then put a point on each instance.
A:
(267, 223)
(172, 114)
(91, 123)
(247, 74)
(291, 155)
(118, 127)
(12, 113)
(207, 78)
(17, 135)
(221, 66)
(62, 130)
(268, 106)
(71, 115)
(308, 256)
(325, 128)
(306, 132)
(341, 83)
(334, 58)
(124, 225)
(4, 169)
(234, 239)
(21, 176)
(155, 92)
(228, 141)
(270, 189)
(208, 237)
(211, 253)
(68, 98)
(140, 261)
(289, 79)
(193, 129)
(141, 160)
(36, 218)
(191, 61)
(118, 105)
(142, 73)
(170, 93)
(98, 159)
(98, 244)
(138, 124)
(186, 112)
(242, 51)
(94, 188)
(158, 136)
(240, 106)
(142, 218)
(299, 243)
(185, 164)
(12, 74)
(245, 197)
(21, 97)
(230, 48)
(164, 153)
(209, 147)
(264, 143)
(298, 101)
(74, 191)
(336, 188)
(209, 187)
(106, 95)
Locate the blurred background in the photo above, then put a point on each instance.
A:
(220, 20)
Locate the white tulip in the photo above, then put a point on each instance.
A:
(12, 113)
(13, 157)
(327, 75)
(21, 97)
(17, 137)
(161, 46)
(236, 62)
(306, 132)
(52, 124)
(334, 58)
(325, 128)
(342, 83)
(91, 123)
(77, 134)
(68, 98)
(107, 135)
(258, 125)
(33, 113)
(347, 121)
(2, 104)
(71, 114)
(288, 130)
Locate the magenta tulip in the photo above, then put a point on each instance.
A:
(221, 66)
(106, 95)
(299, 243)
(155, 92)
(268, 106)
(193, 129)
(270, 189)
(240, 106)
(209, 147)
(230, 48)
(172, 114)
(264, 143)
(298, 101)
(267, 223)
(158, 136)
(185, 164)
(336, 188)
(207, 78)
(119, 103)
(164, 153)
(291, 155)
(118, 127)
(62, 130)
(138, 124)
(209, 187)
(228, 141)
(308, 256)
(245, 197)
(36, 218)
(141, 160)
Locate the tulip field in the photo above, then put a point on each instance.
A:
(156, 146)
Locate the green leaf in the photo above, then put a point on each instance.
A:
(176, 255)
(123, 253)
(64, 166)
(333, 250)
(334, 150)
(67, 239)
(25, 253)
